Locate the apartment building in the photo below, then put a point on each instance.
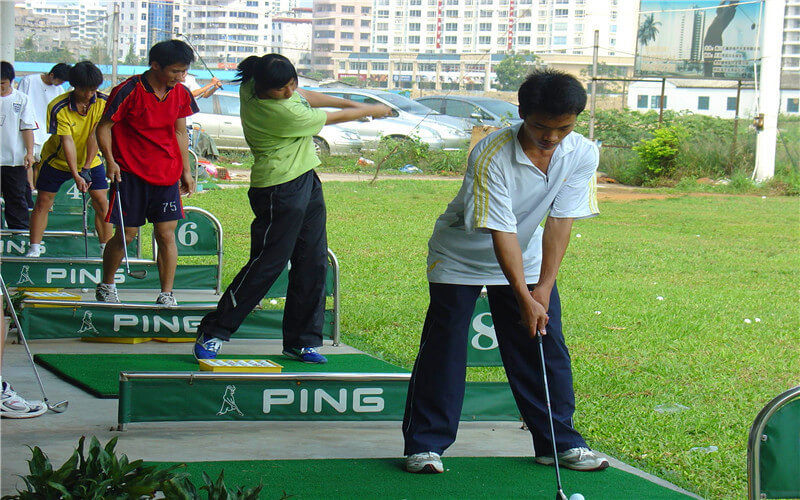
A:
(291, 36)
(456, 44)
(791, 38)
(144, 23)
(73, 25)
(339, 27)
(222, 31)
(500, 26)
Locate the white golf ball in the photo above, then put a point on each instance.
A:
(576, 496)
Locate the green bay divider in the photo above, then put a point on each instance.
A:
(15, 243)
(92, 319)
(207, 396)
(86, 273)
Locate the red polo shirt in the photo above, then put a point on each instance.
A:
(143, 136)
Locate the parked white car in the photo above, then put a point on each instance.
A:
(219, 118)
(455, 132)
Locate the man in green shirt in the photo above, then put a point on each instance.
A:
(279, 121)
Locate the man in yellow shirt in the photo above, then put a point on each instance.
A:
(71, 152)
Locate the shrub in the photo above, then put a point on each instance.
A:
(101, 475)
(657, 155)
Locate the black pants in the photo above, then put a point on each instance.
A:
(289, 226)
(436, 389)
(14, 187)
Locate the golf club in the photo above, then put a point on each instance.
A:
(86, 177)
(59, 407)
(198, 54)
(140, 274)
(560, 493)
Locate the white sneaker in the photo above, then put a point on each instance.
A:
(32, 253)
(13, 406)
(166, 299)
(582, 459)
(106, 293)
(426, 463)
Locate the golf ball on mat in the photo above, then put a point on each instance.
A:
(576, 496)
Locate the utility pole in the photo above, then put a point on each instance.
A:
(114, 44)
(594, 83)
(769, 99)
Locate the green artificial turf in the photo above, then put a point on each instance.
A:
(491, 478)
(715, 261)
(98, 374)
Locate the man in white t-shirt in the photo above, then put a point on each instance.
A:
(490, 235)
(17, 124)
(41, 89)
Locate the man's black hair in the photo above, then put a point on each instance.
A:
(7, 71)
(271, 71)
(60, 71)
(85, 75)
(551, 92)
(171, 52)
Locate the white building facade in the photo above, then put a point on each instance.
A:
(708, 97)
(500, 26)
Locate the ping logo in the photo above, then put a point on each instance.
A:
(361, 400)
(155, 323)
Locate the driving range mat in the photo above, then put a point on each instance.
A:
(464, 478)
(98, 374)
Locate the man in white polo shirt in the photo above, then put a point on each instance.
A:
(490, 235)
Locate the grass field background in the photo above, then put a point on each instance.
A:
(714, 261)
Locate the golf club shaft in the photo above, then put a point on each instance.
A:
(22, 336)
(198, 54)
(122, 227)
(549, 412)
(85, 228)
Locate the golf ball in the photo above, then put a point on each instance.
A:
(576, 496)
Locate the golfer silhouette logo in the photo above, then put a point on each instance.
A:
(229, 402)
(24, 277)
(86, 324)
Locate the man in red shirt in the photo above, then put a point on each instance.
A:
(144, 141)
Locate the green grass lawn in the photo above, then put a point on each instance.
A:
(714, 260)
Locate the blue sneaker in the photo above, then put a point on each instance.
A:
(306, 355)
(206, 347)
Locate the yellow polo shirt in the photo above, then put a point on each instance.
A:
(63, 118)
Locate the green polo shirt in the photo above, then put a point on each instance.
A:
(279, 133)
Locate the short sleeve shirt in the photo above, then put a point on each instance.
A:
(39, 95)
(279, 133)
(64, 119)
(16, 115)
(143, 137)
(503, 191)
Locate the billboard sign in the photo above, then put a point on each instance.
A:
(699, 39)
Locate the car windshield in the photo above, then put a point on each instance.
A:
(501, 108)
(407, 104)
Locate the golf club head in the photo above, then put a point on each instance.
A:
(59, 407)
(139, 274)
(560, 495)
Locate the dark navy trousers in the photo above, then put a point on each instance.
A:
(436, 389)
(289, 225)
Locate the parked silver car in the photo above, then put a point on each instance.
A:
(478, 110)
(373, 131)
(455, 133)
(219, 118)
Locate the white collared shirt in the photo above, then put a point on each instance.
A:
(16, 115)
(39, 97)
(502, 190)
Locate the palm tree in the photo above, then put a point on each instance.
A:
(648, 30)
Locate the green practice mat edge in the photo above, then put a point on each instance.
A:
(98, 374)
(464, 478)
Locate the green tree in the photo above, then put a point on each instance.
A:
(648, 30)
(131, 57)
(512, 70)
